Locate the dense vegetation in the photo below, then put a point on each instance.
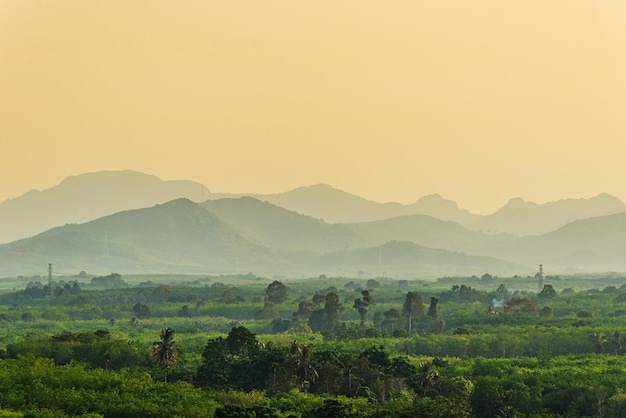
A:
(253, 346)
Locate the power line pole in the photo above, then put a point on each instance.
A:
(50, 279)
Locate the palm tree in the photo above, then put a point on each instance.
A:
(301, 362)
(598, 340)
(163, 351)
(426, 375)
(361, 305)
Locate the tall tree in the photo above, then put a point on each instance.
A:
(215, 370)
(164, 352)
(141, 310)
(361, 304)
(426, 375)
(547, 292)
(305, 309)
(391, 318)
(413, 306)
(332, 310)
(616, 343)
(433, 308)
(301, 364)
(276, 292)
(598, 340)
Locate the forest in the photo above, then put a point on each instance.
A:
(248, 346)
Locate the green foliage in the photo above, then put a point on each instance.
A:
(487, 360)
(547, 292)
(276, 292)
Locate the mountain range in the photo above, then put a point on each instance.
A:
(86, 197)
(131, 222)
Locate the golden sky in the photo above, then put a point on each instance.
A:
(480, 100)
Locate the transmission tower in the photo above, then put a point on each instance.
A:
(50, 279)
(539, 276)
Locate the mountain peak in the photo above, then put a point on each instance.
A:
(435, 199)
(518, 203)
(89, 196)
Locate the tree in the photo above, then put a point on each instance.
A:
(242, 342)
(141, 310)
(301, 364)
(547, 292)
(466, 293)
(520, 306)
(426, 375)
(276, 292)
(391, 318)
(598, 340)
(332, 310)
(413, 307)
(163, 351)
(305, 309)
(184, 312)
(616, 343)
(317, 320)
(215, 369)
(372, 283)
(432, 309)
(546, 311)
(318, 299)
(269, 311)
(361, 304)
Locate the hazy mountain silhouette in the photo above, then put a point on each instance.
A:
(182, 236)
(175, 236)
(594, 244)
(398, 258)
(427, 231)
(86, 197)
(517, 217)
(528, 218)
(281, 229)
(336, 206)
(89, 196)
(286, 233)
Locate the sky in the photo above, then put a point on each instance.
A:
(479, 101)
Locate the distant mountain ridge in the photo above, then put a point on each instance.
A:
(517, 217)
(86, 197)
(175, 236)
(321, 216)
(593, 244)
(247, 235)
(528, 218)
(182, 236)
(325, 202)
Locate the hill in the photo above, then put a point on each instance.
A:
(182, 236)
(398, 259)
(281, 229)
(528, 218)
(85, 197)
(594, 244)
(427, 231)
(178, 236)
(336, 206)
